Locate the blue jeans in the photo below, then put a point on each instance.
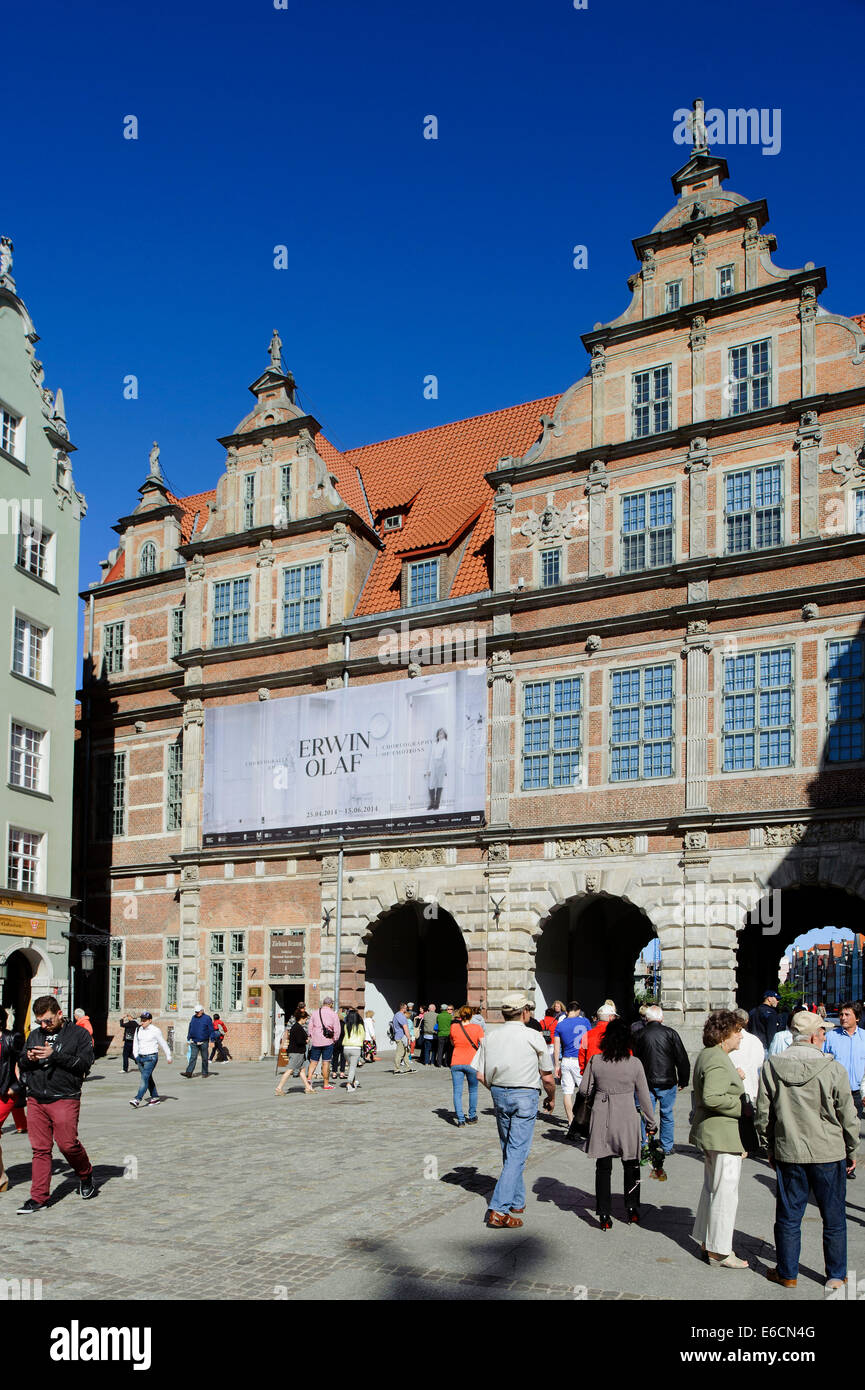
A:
(666, 1100)
(194, 1049)
(471, 1076)
(516, 1113)
(427, 1042)
(145, 1066)
(828, 1182)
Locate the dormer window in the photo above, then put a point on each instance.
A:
(147, 559)
(393, 522)
(423, 582)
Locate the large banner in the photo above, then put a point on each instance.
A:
(395, 755)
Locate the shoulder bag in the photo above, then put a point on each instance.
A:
(475, 1045)
(583, 1110)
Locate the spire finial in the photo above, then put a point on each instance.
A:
(697, 122)
(275, 351)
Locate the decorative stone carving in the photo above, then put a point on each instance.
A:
(189, 874)
(698, 332)
(196, 571)
(593, 643)
(500, 668)
(549, 525)
(414, 669)
(265, 556)
(593, 883)
(339, 538)
(599, 360)
(803, 832)
(333, 683)
(410, 892)
(263, 693)
(697, 627)
(429, 857)
(810, 611)
(329, 863)
(598, 847)
(649, 261)
(267, 452)
(808, 302)
(497, 852)
(193, 714)
(140, 726)
(6, 259)
(231, 460)
(696, 839)
(810, 870)
(699, 249)
(503, 500)
(849, 465)
(597, 480)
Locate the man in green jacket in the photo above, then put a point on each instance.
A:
(443, 1038)
(806, 1118)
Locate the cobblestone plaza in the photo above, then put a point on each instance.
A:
(226, 1192)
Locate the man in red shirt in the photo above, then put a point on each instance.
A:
(591, 1043)
(83, 1021)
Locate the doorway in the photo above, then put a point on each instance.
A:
(588, 952)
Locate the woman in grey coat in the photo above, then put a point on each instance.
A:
(615, 1078)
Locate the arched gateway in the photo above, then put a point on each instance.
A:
(587, 950)
(415, 952)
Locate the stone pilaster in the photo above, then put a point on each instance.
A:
(596, 491)
(697, 341)
(190, 925)
(503, 508)
(599, 369)
(699, 252)
(339, 544)
(193, 742)
(501, 677)
(808, 438)
(808, 339)
(753, 247)
(697, 469)
(193, 622)
(696, 656)
(648, 278)
(264, 606)
(231, 493)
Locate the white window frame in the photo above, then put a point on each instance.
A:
(147, 550)
(652, 402)
(392, 522)
(309, 602)
(549, 717)
(177, 647)
(40, 755)
(647, 530)
(752, 511)
(854, 639)
(174, 784)
(857, 506)
(678, 286)
(757, 690)
(433, 563)
(35, 540)
(247, 501)
(719, 282)
(19, 449)
(172, 972)
(117, 812)
(560, 578)
(113, 653)
(231, 613)
(46, 653)
(116, 962)
(17, 885)
(641, 779)
(749, 380)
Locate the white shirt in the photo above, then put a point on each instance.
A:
(369, 1029)
(513, 1055)
(148, 1040)
(749, 1055)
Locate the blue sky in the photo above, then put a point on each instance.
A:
(303, 127)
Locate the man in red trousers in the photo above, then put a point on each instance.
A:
(57, 1056)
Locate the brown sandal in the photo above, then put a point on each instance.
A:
(503, 1218)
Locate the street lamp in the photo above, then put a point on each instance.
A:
(88, 960)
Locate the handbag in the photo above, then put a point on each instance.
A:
(579, 1128)
(747, 1128)
(328, 1032)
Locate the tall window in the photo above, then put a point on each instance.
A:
(758, 710)
(301, 599)
(750, 377)
(227, 970)
(672, 295)
(174, 806)
(30, 650)
(652, 393)
(423, 582)
(551, 733)
(859, 511)
(177, 631)
(33, 547)
(754, 502)
(647, 529)
(248, 501)
(147, 558)
(27, 762)
(112, 648)
(111, 795)
(846, 703)
(284, 514)
(551, 568)
(641, 724)
(726, 281)
(115, 976)
(23, 866)
(172, 973)
(230, 612)
(8, 430)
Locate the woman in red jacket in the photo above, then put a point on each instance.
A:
(591, 1044)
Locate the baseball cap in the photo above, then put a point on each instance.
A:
(607, 1011)
(145, 1013)
(516, 1001)
(806, 1024)
(199, 1008)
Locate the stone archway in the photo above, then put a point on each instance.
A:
(587, 949)
(778, 918)
(414, 952)
(21, 981)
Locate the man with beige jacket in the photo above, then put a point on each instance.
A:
(806, 1118)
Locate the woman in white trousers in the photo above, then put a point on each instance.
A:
(718, 1095)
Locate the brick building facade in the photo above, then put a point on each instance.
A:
(665, 568)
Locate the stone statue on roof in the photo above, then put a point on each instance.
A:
(155, 470)
(275, 351)
(697, 122)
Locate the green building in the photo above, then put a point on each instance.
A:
(40, 516)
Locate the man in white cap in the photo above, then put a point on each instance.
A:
(591, 1043)
(806, 1118)
(513, 1062)
(199, 1036)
